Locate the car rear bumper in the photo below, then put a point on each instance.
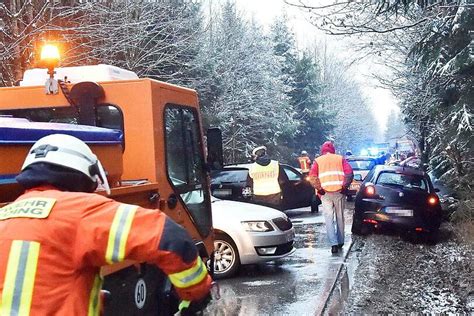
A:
(403, 222)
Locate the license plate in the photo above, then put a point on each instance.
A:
(399, 212)
(222, 192)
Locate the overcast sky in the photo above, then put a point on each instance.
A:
(382, 101)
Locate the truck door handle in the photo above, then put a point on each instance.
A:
(172, 201)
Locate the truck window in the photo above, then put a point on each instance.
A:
(185, 163)
(107, 115)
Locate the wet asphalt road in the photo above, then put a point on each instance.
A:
(296, 285)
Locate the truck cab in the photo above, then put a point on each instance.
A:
(158, 162)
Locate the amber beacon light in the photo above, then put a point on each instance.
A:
(50, 59)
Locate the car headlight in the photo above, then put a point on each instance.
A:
(257, 226)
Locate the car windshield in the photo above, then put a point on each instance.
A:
(362, 164)
(409, 181)
(230, 176)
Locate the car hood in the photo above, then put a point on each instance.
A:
(227, 210)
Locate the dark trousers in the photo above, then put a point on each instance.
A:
(271, 200)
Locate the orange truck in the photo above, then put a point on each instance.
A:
(147, 134)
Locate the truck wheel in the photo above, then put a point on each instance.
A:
(226, 257)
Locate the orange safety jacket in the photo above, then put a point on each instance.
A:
(330, 172)
(305, 163)
(53, 243)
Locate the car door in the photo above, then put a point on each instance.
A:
(297, 192)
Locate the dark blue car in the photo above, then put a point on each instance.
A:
(399, 197)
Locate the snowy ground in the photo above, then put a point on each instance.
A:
(395, 276)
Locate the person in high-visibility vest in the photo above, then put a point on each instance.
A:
(331, 175)
(57, 235)
(266, 177)
(305, 162)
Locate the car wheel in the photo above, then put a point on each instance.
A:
(359, 227)
(432, 237)
(226, 257)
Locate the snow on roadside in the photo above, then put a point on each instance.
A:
(396, 276)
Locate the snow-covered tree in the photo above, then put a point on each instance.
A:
(152, 38)
(395, 127)
(240, 85)
(355, 126)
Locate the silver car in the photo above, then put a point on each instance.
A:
(247, 233)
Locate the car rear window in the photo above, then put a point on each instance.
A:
(362, 164)
(409, 181)
(230, 176)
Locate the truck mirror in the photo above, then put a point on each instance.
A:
(215, 155)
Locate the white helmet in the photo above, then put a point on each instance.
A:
(70, 152)
(259, 151)
(304, 153)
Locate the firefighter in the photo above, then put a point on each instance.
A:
(266, 176)
(331, 175)
(305, 162)
(55, 237)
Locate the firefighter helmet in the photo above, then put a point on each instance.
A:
(259, 151)
(70, 152)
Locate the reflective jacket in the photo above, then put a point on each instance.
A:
(305, 163)
(330, 172)
(53, 243)
(265, 178)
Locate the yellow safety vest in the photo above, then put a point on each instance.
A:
(265, 178)
(330, 172)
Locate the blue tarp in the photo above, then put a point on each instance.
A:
(15, 131)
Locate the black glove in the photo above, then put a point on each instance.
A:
(195, 307)
(321, 192)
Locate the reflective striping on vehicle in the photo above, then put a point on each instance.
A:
(189, 277)
(28, 208)
(119, 233)
(331, 173)
(94, 298)
(20, 278)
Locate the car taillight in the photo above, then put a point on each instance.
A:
(370, 190)
(433, 200)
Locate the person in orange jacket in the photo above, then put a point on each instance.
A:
(55, 237)
(331, 175)
(305, 162)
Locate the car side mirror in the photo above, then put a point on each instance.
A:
(358, 177)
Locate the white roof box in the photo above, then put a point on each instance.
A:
(96, 73)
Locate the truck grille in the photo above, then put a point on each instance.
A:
(283, 224)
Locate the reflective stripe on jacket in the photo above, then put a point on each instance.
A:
(330, 172)
(265, 178)
(305, 163)
(53, 243)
